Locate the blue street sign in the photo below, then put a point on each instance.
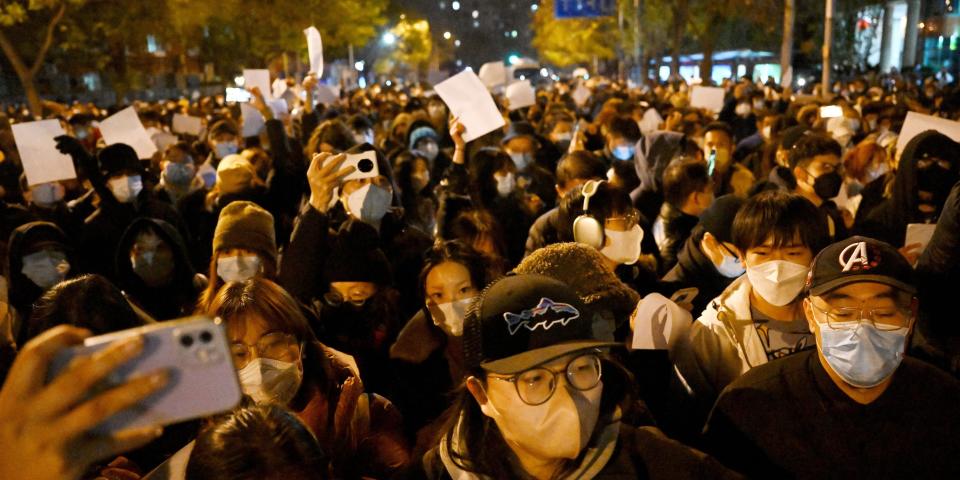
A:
(585, 8)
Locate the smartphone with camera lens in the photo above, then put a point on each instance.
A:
(365, 165)
(202, 380)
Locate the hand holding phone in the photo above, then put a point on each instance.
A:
(364, 166)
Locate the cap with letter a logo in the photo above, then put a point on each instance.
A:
(859, 259)
(522, 321)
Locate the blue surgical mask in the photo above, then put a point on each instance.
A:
(179, 174)
(521, 160)
(730, 267)
(862, 355)
(624, 152)
(239, 268)
(222, 149)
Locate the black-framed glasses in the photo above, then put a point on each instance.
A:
(536, 385)
(275, 346)
(882, 318)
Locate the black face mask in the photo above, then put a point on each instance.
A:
(937, 181)
(828, 185)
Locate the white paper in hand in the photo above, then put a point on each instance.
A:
(325, 95)
(187, 124)
(42, 162)
(521, 94)
(125, 127)
(315, 51)
(917, 123)
(708, 98)
(658, 323)
(252, 121)
(920, 233)
(493, 74)
(259, 79)
(468, 99)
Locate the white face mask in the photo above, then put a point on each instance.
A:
(521, 160)
(624, 247)
(239, 268)
(47, 194)
(778, 281)
(369, 203)
(567, 419)
(429, 150)
(505, 184)
(45, 268)
(126, 188)
(449, 316)
(270, 381)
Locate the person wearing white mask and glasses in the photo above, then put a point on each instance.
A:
(857, 406)
(279, 361)
(544, 400)
(428, 353)
(758, 318)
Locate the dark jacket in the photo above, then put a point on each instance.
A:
(543, 232)
(938, 274)
(202, 219)
(677, 226)
(165, 303)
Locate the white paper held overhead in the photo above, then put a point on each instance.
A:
(315, 51)
(259, 79)
(125, 127)
(187, 124)
(468, 99)
(708, 98)
(521, 94)
(252, 121)
(917, 123)
(42, 162)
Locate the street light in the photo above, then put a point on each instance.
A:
(455, 5)
(446, 35)
(389, 38)
(475, 14)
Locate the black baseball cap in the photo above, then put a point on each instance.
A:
(859, 259)
(718, 217)
(522, 321)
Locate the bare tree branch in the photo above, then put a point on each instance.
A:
(48, 38)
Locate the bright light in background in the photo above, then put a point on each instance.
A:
(544, 72)
(534, 7)
(476, 24)
(456, 42)
(513, 33)
(555, 78)
(389, 83)
(455, 5)
(238, 81)
(523, 77)
(801, 82)
(468, 66)
(359, 65)
(362, 82)
(475, 14)
(389, 38)
(446, 35)
(513, 59)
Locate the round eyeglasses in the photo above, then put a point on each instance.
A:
(536, 385)
(275, 346)
(882, 318)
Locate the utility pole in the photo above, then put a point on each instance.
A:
(827, 42)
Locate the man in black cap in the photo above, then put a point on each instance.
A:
(708, 260)
(522, 144)
(857, 407)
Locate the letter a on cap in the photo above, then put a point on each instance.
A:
(854, 254)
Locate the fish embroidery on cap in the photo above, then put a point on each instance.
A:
(546, 315)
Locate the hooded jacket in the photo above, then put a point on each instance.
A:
(164, 303)
(888, 221)
(22, 291)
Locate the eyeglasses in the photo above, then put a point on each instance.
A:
(623, 222)
(275, 346)
(882, 318)
(536, 386)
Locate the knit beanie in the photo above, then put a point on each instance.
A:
(718, 218)
(356, 256)
(420, 133)
(235, 174)
(118, 158)
(582, 268)
(246, 225)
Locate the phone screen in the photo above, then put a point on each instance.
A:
(237, 95)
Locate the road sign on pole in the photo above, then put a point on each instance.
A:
(585, 8)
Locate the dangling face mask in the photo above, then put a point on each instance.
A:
(270, 381)
(125, 188)
(778, 281)
(369, 203)
(623, 247)
(449, 316)
(239, 268)
(506, 183)
(47, 194)
(521, 160)
(862, 355)
(46, 268)
(567, 419)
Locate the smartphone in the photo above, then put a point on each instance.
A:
(685, 295)
(831, 111)
(365, 166)
(711, 161)
(238, 95)
(195, 353)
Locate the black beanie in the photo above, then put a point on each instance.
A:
(356, 256)
(117, 158)
(718, 218)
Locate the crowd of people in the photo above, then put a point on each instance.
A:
(616, 286)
